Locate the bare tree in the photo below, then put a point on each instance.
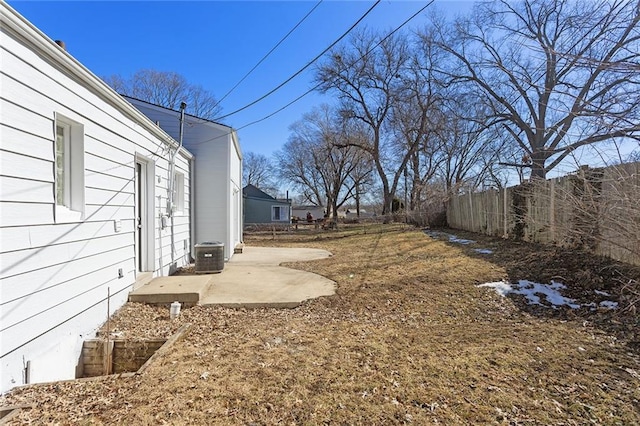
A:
(296, 165)
(558, 74)
(415, 117)
(366, 76)
(360, 178)
(167, 89)
(468, 148)
(317, 159)
(257, 170)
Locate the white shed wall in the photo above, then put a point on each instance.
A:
(218, 174)
(55, 276)
(235, 171)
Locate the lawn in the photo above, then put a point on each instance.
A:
(409, 338)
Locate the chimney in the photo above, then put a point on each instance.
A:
(61, 44)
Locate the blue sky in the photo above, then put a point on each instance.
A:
(215, 43)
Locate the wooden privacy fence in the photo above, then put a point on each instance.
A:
(593, 209)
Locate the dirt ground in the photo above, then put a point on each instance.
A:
(409, 338)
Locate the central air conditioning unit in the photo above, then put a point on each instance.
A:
(209, 257)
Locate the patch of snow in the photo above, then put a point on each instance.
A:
(501, 287)
(483, 251)
(432, 234)
(454, 239)
(609, 304)
(531, 290)
(601, 293)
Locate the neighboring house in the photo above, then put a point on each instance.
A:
(84, 216)
(260, 207)
(352, 214)
(301, 212)
(217, 201)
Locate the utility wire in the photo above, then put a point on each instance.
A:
(269, 53)
(303, 68)
(317, 85)
(278, 110)
(226, 134)
(321, 83)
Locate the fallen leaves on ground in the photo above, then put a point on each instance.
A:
(407, 339)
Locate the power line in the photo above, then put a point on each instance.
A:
(319, 84)
(303, 68)
(278, 110)
(269, 53)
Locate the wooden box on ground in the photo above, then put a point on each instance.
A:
(100, 357)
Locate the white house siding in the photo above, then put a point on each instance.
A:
(218, 174)
(55, 276)
(235, 172)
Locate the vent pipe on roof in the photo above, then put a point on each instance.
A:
(172, 163)
(61, 44)
(172, 185)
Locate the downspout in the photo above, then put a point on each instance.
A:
(172, 163)
(172, 172)
(192, 209)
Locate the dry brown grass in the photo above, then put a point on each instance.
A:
(408, 338)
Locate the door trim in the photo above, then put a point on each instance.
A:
(144, 252)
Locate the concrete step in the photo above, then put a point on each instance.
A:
(186, 289)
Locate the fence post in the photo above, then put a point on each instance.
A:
(505, 212)
(471, 213)
(552, 210)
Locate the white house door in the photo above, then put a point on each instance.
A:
(141, 224)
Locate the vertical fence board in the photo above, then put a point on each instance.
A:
(596, 209)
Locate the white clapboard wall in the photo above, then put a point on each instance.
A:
(55, 275)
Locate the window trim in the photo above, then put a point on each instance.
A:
(66, 142)
(72, 209)
(282, 213)
(178, 192)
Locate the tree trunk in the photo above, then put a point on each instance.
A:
(387, 207)
(537, 165)
(415, 184)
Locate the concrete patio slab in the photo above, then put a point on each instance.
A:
(255, 279)
(251, 279)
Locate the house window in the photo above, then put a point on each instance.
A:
(276, 213)
(178, 192)
(69, 169)
(63, 166)
(279, 214)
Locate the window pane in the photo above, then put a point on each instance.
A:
(178, 192)
(60, 166)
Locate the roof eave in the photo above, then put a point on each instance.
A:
(11, 20)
